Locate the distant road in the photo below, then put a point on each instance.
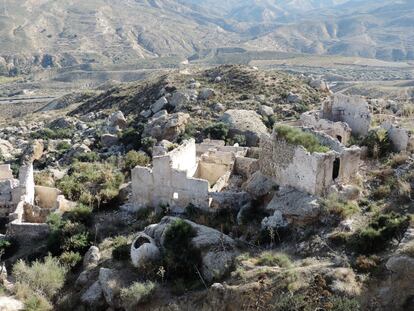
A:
(26, 99)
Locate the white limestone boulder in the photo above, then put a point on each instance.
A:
(275, 221)
(245, 122)
(179, 99)
(206, 94)
(118, 119)
(266, 111)
(168, 127)
(297, 207)
(111, 286)
(259, 185)
(218, 250)
(11, 304)
(91, 258)
(159, 104)
(144, 251)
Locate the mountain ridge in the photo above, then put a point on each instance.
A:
(58, 33)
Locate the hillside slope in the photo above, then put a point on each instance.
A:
(60, 33)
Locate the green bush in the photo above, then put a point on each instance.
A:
(274, 259)
(380, 231)
(63, 146)
(378, 143)
(270, 121)
(186, 262)
(78, 242)
(81, 214)
(32, 300)
(121, 248)
(147, 144)
(134, 158)
(91, 183)
(217, 130)
(237, 139)
(46, 277)
(132, 136)
(334, 205)
(46, 134)
(296, 136)
(136, 294)
(66, 236)
(70, 259)
(87, 157)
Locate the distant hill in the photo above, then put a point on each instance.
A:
(61, 33)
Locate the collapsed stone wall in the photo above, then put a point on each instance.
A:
(338, 130)
(170, 180)
(179, 178)
(291, 165)
(399, 137)
(30, 207)
(8, 187)
(354, 110)
(5, 172)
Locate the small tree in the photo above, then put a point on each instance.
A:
(217, 130)
(186, 262)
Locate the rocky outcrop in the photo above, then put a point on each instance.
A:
(108, 140)
(117, 119)
(93, 297)
(245, 122)
(111, 286)
(295, 206)
(10, 304)
(91, 258)
(217, 249)
(167, 126)
(259, 185)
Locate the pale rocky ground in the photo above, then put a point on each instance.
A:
(179, 105)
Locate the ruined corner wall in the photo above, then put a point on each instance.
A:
(170, 181)
(27, 185)
(5, 172)
(291, 165)
(215, 164)
(167, 187)
(350, 160)
(338, 130)
(354, 110)
(183, 158)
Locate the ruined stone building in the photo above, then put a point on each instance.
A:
(340, 117)
(25, 205)
(189, 174)
(292, 165)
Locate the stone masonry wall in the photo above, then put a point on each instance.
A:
(291, 165)
(353, 110)
(338, 130)
(169, 182)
